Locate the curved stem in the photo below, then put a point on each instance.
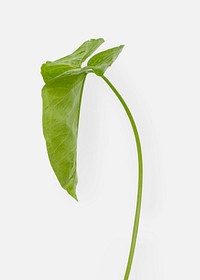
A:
(140, 177)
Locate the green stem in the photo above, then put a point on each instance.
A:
(140, 175)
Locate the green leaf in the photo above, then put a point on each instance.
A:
(82, 53)
(62, 95)
(101, 61)
(52, 69)
(61, 108)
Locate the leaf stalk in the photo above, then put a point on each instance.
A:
(140, 178)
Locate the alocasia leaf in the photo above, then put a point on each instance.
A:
(61, 95)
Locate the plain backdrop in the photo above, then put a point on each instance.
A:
(44, 233)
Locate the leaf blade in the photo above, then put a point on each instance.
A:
(82, 53)
(51, 69)
(61, 108)
(101, 61)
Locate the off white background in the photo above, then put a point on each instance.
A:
(44, 233)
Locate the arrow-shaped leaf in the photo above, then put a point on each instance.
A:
(62, 94)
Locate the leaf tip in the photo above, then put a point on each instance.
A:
(120, 48)
(98, 41)
(75, 197)
(72, 192)
(101, 40)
